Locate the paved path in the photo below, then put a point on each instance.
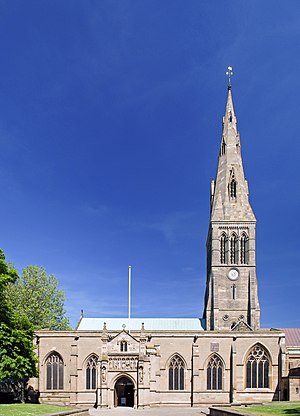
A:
(154, 411)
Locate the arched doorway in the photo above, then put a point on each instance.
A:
(124, 392)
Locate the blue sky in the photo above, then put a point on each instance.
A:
(110, 124)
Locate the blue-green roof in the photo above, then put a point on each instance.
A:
(150, 324)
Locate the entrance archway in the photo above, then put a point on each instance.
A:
(124, 392)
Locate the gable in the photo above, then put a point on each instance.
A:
(123, 342)
(242, 326)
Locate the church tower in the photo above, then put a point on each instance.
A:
(231, 298)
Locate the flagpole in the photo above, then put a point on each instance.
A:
(129, 291)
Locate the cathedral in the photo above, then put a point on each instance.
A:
(224, 357)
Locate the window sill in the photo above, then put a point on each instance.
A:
(215, 391)
(257, 390)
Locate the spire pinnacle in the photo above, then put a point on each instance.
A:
(229, 73)
(230, 190)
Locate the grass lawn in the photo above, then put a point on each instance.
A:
(274, 409)
(28, 409)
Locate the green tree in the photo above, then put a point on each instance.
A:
(17, 356)
(37, 295)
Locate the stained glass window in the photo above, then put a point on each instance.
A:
(215, 373)
(176, 373)
(91, 373)
(55, 372)
(257, 368)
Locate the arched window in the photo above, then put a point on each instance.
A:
(91, 373)
(223, 147)
(232, 185)
(232, 189)
(233, 288)
(176, 373)
(257, 368)
(244, 249)
(55, 372)
(123, 346)
(223, 248)
(214, 373)
(233, 249)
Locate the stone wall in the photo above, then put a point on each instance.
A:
(146, 364)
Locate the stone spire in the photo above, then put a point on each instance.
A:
(231, 297)
(229, 193)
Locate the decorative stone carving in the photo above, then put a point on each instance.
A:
(141, 374)
(122, 363)
(103, 372)
(214, 346)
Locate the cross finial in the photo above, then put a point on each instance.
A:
(229, 73)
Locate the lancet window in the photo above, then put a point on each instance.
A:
(123, 346)
(55, 372)
(215, 373)
(232, 185)
(176, 373)
(257, 368)
(223, 147)
(223, 248)
(233, 288)
(91, 373)
(232, 189)
(244, 249)
(233, 249)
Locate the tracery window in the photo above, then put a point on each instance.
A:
(123, 346)
(55, 372)
(223, 248)
(215, 373)
(257, 368)
(91, 373)
(176, 373)
(244, 249)
(233, 249)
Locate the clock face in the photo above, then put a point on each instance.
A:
(233, 274)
